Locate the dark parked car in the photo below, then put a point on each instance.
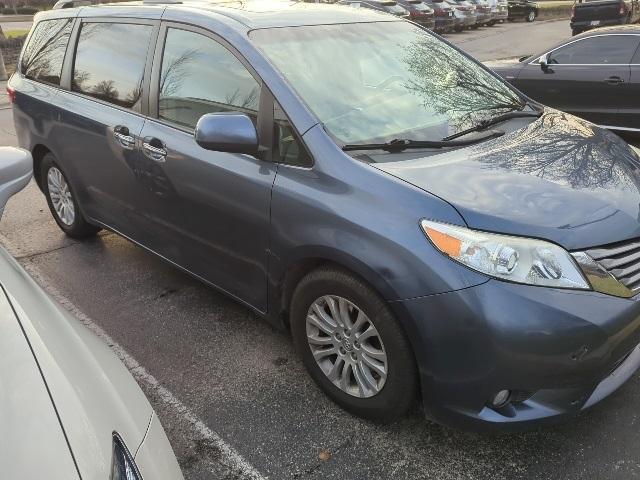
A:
(421, 227)
(588, 14)
(386, 6)
(526, 9)
(445, 16)
(595, 76)
(465, 14)
(419, 12)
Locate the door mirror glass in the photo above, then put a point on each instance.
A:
(227, 132)
(16, 167)
(544, 61)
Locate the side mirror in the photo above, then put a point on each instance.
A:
(227, 132)
(544, 62)
(16, 168)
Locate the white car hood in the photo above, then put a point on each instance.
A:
(32, 443)
(93, 392)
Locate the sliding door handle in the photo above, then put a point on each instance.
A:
(122, 136)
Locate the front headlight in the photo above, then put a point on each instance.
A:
(122, 465)
(521, 260)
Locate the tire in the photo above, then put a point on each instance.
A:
(531, 16)
(394, 394)
(575, 32)
(458, 29)
(492, 23)
(68, 215)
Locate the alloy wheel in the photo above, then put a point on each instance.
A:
(346, 346)
(60, 196)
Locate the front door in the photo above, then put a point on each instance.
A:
(207, 211)
(587, 78)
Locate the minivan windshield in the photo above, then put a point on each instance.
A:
(375, 82)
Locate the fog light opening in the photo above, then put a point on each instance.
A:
(501, 399)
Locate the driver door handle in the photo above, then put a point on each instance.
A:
(153, 152)
(614, 80)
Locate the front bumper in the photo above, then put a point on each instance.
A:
(444, 24)
(426, 22)
(483, 18)
(500, 15)
(558, 352)
(465, 21)
(155, 457)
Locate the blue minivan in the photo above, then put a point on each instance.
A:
(422, 229)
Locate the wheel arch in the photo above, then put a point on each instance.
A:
(38, 152)
(304, 262)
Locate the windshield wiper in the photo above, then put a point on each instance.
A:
(495, 120)
(398, 145)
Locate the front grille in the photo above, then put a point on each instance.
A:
(622, 260)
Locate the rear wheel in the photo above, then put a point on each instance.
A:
(62, 201)
(352, 346)
(531, 16)
(492, 23)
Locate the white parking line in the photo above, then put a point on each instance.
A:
(229, 457)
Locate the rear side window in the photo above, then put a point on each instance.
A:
(110, 61)
(601, 50)
(44, 54)
(201, 76)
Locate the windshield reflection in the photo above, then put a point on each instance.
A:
(374, 82)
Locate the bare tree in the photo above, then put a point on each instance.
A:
(452, 85)
(564, 149)
(106, 90)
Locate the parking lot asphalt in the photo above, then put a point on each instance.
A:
(513, 39)
(234, 398)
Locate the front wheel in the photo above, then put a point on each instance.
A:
(352, 346)
(62, 201)
(531, 16)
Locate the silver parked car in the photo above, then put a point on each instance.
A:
(68, 407)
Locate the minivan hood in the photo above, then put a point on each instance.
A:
(559, 178)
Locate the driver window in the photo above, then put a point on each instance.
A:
(602, 50)
(201, 76)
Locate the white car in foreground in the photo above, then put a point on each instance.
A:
(69, 409)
